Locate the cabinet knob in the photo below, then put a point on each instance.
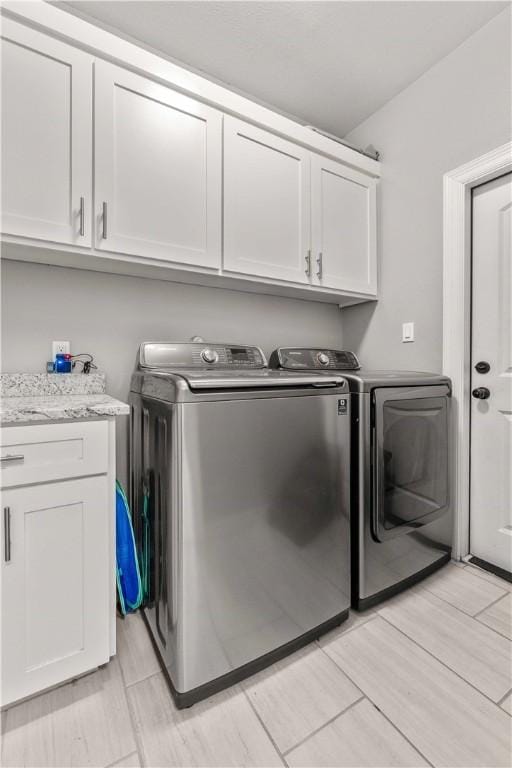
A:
(82, 217)
(104, 221)
(320, 266)
(7, 534)
(308, 264)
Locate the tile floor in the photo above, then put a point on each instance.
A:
(424, 679)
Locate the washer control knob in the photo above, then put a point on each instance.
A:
(209, 355)
(322, 358)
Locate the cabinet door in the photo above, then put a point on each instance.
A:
(158, 181)
(55, 583)
(266, 204)
(344, 227)
(46, 137)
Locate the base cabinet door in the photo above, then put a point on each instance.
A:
(55, 583)
(266, 204)
(158, 171)
(46, 137)
(343, 227)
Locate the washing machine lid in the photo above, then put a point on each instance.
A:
(226, 379)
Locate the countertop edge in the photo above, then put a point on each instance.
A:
(45, 409)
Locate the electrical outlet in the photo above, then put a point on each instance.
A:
(407, 332)
(60, 348)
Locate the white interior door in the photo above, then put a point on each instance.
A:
(46, 137)
(158, 181)
(344, 227)
(267, 220)
(491, 413)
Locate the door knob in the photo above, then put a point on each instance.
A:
(482, 367)
(481, 393)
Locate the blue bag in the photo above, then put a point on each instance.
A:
(129, 584)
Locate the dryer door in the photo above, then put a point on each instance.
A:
(410, 458)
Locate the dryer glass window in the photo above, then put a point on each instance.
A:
(412, 463)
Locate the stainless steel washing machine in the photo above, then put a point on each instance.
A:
(245, 475)
(401, 510)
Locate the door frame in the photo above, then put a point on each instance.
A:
(457, 186)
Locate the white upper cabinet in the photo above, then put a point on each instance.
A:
(266, 204)
(171, 187)
(343, 227)
(158, 171)
(46, 137)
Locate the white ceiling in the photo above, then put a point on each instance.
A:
(330, 64)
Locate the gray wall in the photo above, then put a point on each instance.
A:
(109, 315)
(458, 110)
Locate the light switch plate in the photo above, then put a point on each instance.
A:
(60, 348)
(407, 332)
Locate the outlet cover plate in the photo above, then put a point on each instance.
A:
(60, 347)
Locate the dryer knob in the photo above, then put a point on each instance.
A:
(209, 355)
(322, 358)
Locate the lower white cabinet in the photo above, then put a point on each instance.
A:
(57, 574)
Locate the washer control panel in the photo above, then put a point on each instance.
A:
(190, 355)
(306, 359)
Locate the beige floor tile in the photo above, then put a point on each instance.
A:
(499, 616)
(448, 721)
(487, 576)
(475, 652)
(359, 737)
(132, 761)
(462, 589)
(299, 694)
(84, 723)
(507, 704)
(355, 619)
(222, 731)
(135, 649)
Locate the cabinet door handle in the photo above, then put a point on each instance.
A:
(104, 219)
(12, 457)
(82, 217)
(7, 534)
(308, 264)
(319, 262)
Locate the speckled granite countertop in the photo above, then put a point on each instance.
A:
(28, 397)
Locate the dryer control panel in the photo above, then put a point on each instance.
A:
(307, 359)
